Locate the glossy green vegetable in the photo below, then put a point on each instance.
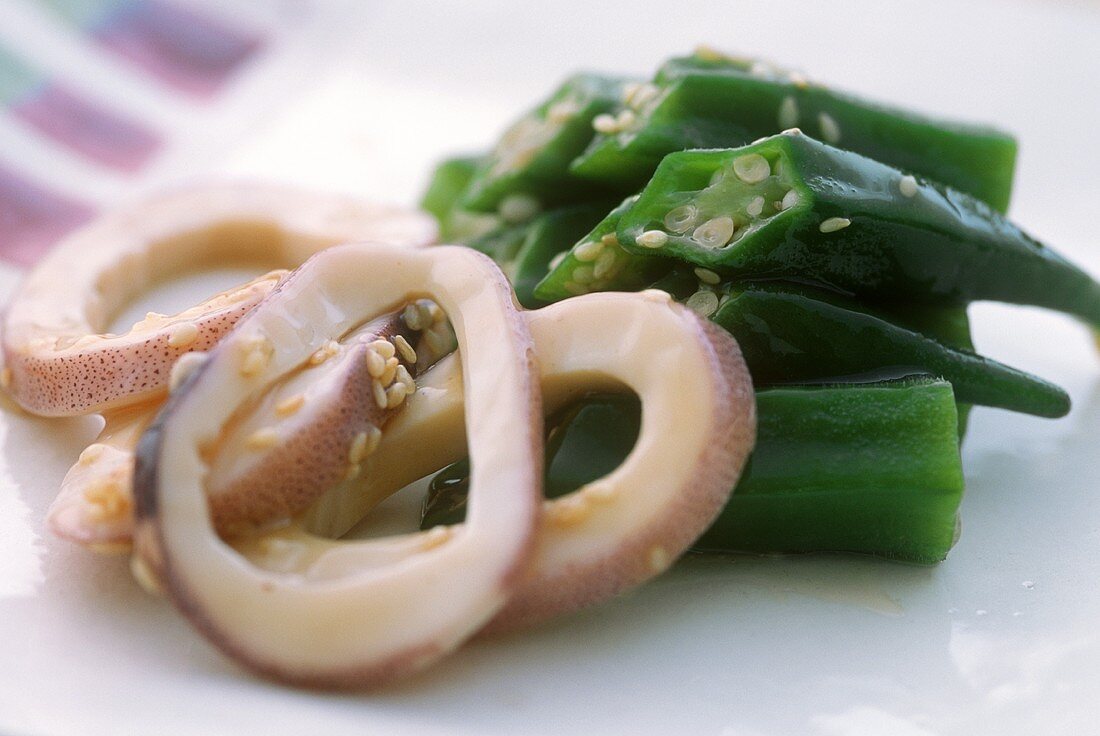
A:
(793, 208)
(548, 236)
(869, 468)
(445, 190)
(791, 335)
(531, 160)
(597, 262)
(711, 101)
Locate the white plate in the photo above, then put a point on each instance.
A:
(1000, 638)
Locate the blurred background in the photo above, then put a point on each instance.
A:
(104, 100)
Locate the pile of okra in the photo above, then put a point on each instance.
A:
(839, 240)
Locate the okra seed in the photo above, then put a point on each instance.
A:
(682, 218)
(588, 250)
(830, 130)
(908, 186)
(610, 239)
(707, 276)
(752, 168)
(788, 113)
(605, 123)
(833, 224)
(714, 233)
(584, 274)
(652, 239)
(704, 303)
(790, 199)
(574, 288)
(518, 208)
(756, 206)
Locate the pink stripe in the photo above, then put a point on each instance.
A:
(32, 218)
(99, 134)
(186, 50)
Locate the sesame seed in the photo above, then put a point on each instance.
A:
(606, 124)
(625, 119)
(682, 218)
(435, 537)
(290, 405)
(588, 250)
(374, 437)
(790, 199)
(562, 111)
(404, 348)
(714, 233)
(262, 439)
(379, 392)
(703, 303)
(107, 501)
(652, 239)
(629, 89)
(642, 95)
(352, 472)
(830, 130)
(584, 274)
(91, 453)
(403, 376)
(326, 351)
(5, 378)
(388, 374)
(518, 208)
(604, 264)
(833, 224)
(798, 80)
(756, 206)
(908, 186)
(788, 113)
(358, 449)
(183, 368)
(395, 394)
(376, 364)
(384, 348)
(257, 352)
(182, 335)
(659, 559)
(752, 168)
(411, 315)
(568, 511)
(707, 276)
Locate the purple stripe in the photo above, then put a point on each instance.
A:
(182, 48)
(32, 218)
(97, 133)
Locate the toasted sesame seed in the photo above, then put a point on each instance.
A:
(908, 186)
(752, 168)
(659, 559)
(403, 376)
(182, 335)
(833, 224)
(144, 576)
(374, 437)
(830, 130)
(384, 348)
(788, 113)
(262, 439)
(358, 449)
(518, 208)
(584, 274)
(681, 219)
(642, 95)
(588, 250)
(395, 394)
(257, 352)
(326, 351)
(604, 123)
(183, 368)
(404, 348)
(714, 233)
(657, 296)
(756, 206)
(91, 453)
(604, 264)
(707, 276)
(790, 199)
(569, 510)
(629, 89)
(625, 119)
(379, 392)
(290, 405)
(704, 303)
(652, 239)
(390, 371)
(557, 260)
(411, 315)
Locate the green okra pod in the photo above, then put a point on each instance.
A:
(549, 236)
(792, 208)
(868, 468)
(709, 101)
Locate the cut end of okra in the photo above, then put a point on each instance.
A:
(718, 200)
(528, 168)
